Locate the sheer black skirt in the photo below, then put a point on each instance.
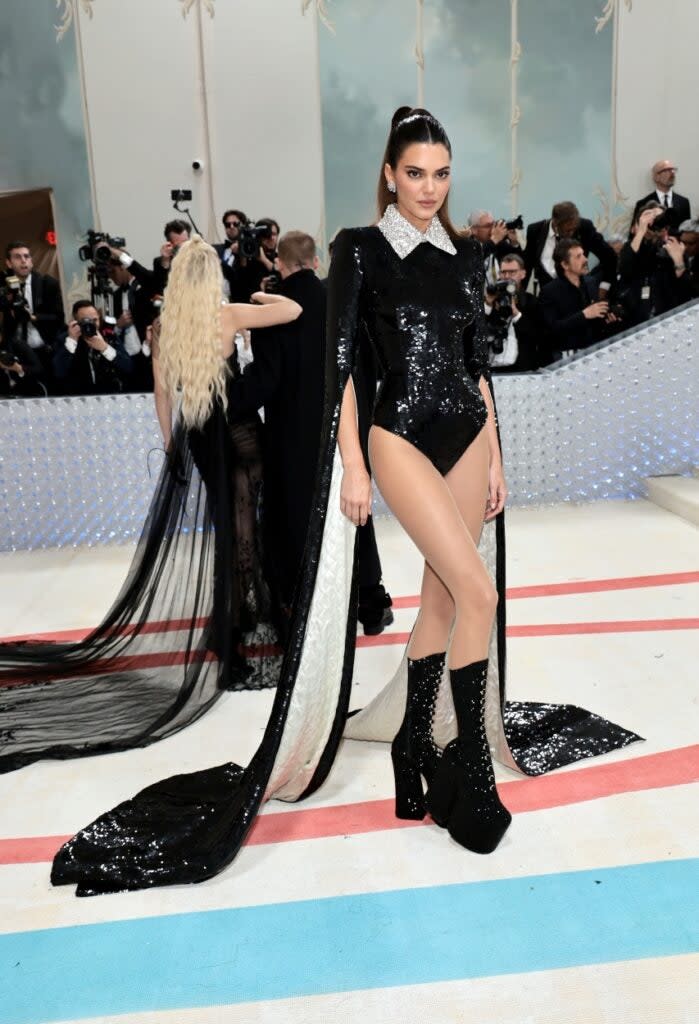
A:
(192, 618)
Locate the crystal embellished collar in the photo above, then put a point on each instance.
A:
(403, 237)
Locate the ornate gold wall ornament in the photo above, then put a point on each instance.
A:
(609, 9)
(420, 53)
(321, 11)
(187, 5)
(615, 215)
(515, 109)
(67, 10)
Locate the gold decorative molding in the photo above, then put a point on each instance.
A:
(420, 52)
(610, 8)
(515, 109)
(614, 200)
(187, 5)
(321, 11)
(67, 9)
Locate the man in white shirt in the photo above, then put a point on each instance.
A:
(496, 239)
(85, 361)
(676, 207)
(31, 302)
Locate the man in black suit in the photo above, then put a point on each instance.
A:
(233, 267)
(565, 222)
(88, 359)
(287, 377)
(134, 313)
(32, 309)
(575, 315)
(676, 207)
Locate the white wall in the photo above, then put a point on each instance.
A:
(658, 84)
(146, 68)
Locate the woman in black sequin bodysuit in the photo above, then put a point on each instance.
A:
(435, 454)
(417, 286)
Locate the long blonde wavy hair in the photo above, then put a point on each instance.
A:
(190, 343)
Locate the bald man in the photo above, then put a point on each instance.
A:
(664, 174)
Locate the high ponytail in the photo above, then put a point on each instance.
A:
(408, 126)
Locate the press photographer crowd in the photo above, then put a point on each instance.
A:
(552, 290)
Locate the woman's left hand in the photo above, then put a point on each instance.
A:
(497, 492)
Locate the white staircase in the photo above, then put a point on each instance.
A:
(678, 494)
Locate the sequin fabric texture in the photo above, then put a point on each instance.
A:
(420, 299)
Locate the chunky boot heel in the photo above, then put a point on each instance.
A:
(463, 796)
(410, 799)
(414, 752)
(443, 791)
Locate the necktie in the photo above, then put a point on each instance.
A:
(666, 201)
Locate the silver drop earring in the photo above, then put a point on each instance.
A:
(391, 186)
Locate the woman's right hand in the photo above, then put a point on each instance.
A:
(355, 493)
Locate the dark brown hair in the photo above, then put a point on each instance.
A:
(564, 212)
(408, 126)
(652, 204)
(562, 252)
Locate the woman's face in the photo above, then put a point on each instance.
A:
(422, 179)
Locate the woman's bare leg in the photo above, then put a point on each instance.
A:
(443, 516)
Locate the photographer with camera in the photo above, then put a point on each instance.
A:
(517, 334)
(573, 312)
(134, 312)
(265, 263)
(651, 266)
(21, 371)
(32, 309)
(253, 269)
(233, 221)
(90, 359)
(498, 237)
(154, 281)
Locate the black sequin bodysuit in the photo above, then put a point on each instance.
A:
(424, 314)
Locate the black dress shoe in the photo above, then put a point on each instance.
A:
(374, 611)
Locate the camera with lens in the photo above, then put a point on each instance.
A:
(97, 248)
(250, 238)
(500, 296)
(15, 299)
(88, 327)
(515, 225)
(97, 252)
(7, 359)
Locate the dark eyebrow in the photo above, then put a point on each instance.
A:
(413, 167)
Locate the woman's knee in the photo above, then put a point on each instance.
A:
(476, 594)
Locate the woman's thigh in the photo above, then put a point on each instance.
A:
(438, 513)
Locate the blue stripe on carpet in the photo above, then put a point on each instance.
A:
(373, 940)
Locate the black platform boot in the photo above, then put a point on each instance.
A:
(414, 752)
(463, 797)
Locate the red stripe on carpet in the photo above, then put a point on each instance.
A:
(409, 601)
(666, 579)
(109, 666)
(638, 774)
(556, 629)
